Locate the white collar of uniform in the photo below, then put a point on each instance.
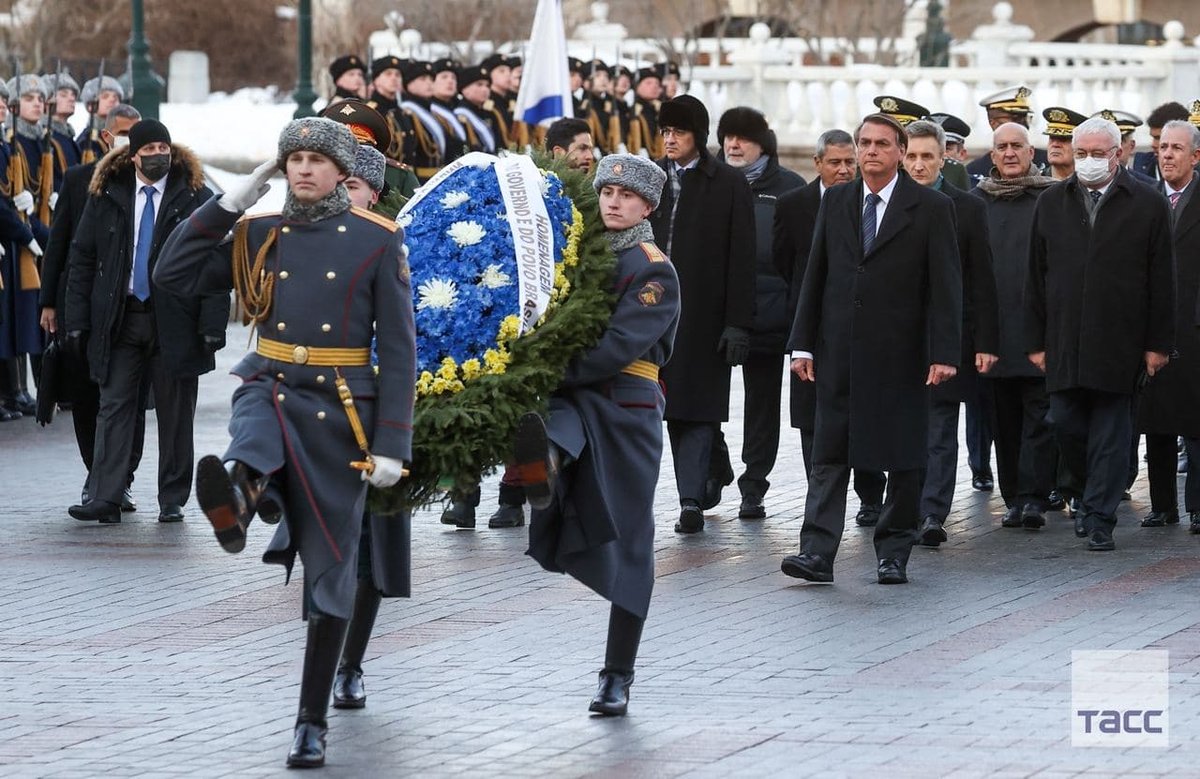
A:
(885, 194)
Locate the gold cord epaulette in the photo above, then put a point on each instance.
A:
(253, 284)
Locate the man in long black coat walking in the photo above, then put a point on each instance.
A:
(705, 224)
(880, 320)
(1101, 253)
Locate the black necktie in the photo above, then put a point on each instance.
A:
(1095, 193)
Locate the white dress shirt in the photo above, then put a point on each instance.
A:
(139, 205)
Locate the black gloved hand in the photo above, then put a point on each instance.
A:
(734, 345)
(76, 344)
(214, 343)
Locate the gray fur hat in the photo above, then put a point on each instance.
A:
(324, 136)
(94, 86)
(52, 82)
(369, 166)
(632, 172)
(29, 84)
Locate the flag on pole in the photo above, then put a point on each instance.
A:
(545, 93)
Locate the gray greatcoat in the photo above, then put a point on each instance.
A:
(338, 282)
(600, 529)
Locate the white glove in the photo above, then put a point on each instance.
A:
(53, 200)
(388, 471)
(252, 188)
(23, 201)
(33, 247)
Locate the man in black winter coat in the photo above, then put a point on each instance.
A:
(705, 224)
(76, 385)
(748, 145)
(1100, 313)
(133, 332)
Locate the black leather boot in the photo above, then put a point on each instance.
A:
(321, 651)
(624, 636)
(536, 461)
(349, 692)
(228, 493)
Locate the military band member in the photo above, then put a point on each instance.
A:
(484, 124)
(349, 74)
(319, 281)
(1060, 157)
(99, 96)
(591, 469)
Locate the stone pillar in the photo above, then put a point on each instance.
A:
(991, 41)
(188, 79)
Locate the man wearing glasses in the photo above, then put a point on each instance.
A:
(1100, 249)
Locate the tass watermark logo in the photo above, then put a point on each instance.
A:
(1119, 698)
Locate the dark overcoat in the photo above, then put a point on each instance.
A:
(795, 221)
(1009, 221)
(338, 282)
(875, 323)
(1099, 297)
(19, 331)
(980, 310)
(1171, 401)
(713, 252)
(772, 315)
(600, 528)
(101, 261)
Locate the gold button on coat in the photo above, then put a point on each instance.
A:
(321, 379)
(325, 328)
(281, 326)
(279, 397)
(285, 229)
(283, 274)
(331, 275)
(320, 415)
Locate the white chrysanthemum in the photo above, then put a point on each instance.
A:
(466, 233)
(494, 278)
(545, 180)
(454, 199)
(437, 293)
(404, 220)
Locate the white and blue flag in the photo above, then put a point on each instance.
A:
(545, 93)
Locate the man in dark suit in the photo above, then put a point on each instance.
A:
(923, 161)
(1147, 161)
(133, 332)
(1168, 406)
(78, 387)
(879, 321)
(795, 221)
(1100, 313)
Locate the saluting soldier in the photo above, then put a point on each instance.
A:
(591, 469)
(370, 128)
(1060, 156)
(1007, 105)
(318, 281)
(99, 96)
(484, 124)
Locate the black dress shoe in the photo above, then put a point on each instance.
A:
(1055, 502)
(1161, 518)
(9, 413)
(461, 515)
(691, 519)
(1194, 526)
(349, 692)
(1081, 530)
(308, 745)
(1032, 517)
(868, 515)
(931, 533)
(752, 507)
(809, 567)
(1101, 541)
(612, 695)
(507, 515)
(26, 404)
(127, 503)
(97, 511)
(982, 482)
(228, 493)
(171, 513)
(536, 461)
(892, 571)
(1012, 517)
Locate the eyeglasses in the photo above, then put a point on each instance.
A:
(668, 132)
(1095, 155)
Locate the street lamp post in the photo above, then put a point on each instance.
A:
(304, 94)
(145, 82)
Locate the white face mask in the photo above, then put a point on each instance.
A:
(120, 142)
(1092, 171)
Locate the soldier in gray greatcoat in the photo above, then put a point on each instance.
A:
(591, 470)
(319, 281)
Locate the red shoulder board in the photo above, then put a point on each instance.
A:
(653, 253)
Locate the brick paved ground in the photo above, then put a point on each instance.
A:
(143, 649)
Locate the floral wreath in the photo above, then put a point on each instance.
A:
(477, 373)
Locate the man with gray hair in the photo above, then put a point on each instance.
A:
(1168, 406)
(1100, 249)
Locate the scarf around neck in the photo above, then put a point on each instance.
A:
(754, 170)
(336, 202)
(1009, 189)
(621, 240)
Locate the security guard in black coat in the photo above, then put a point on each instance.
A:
(592, 489)
(319, 281)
